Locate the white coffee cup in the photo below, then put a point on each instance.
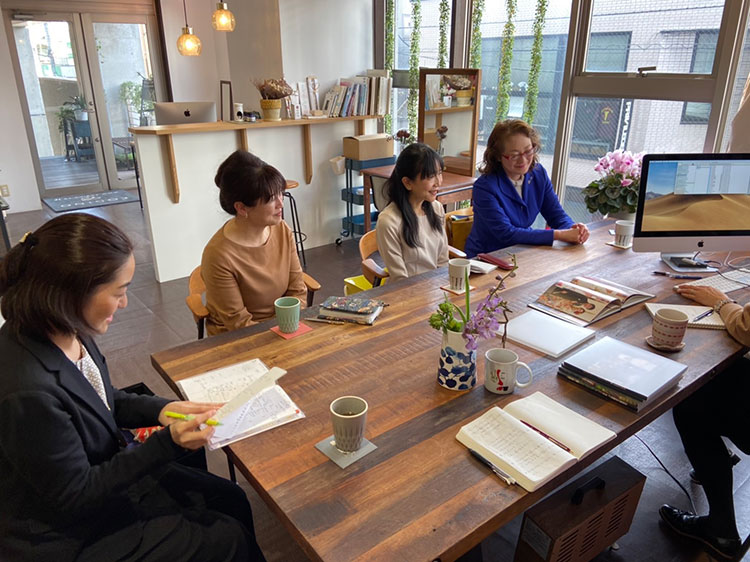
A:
(624, 233)
(348, 415)
(500, 370)
(669, 327)
(457, 270)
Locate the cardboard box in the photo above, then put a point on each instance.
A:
(368, 147)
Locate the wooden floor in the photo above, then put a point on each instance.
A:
(157, 318)
(59, 172)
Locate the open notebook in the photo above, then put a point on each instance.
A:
(711, 322)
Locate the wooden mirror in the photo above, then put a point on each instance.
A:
(449, 114)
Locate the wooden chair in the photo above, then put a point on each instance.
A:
(196, 289)
(458, 230)
(375, 274)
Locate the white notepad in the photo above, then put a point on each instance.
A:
(545, 333)
(711, 322)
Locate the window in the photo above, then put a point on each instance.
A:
(743, 72)
(702, 63)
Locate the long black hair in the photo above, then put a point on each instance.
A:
(47, 279)
(416, 161)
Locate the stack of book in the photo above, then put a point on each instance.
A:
(629, 375)
(365, 94)
(351, 309)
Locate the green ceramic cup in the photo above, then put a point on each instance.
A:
(287, 314)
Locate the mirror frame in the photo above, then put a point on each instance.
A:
(476, 75)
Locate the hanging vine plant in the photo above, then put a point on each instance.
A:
(390, 47)
(475, 48)
(445, 11)
(535, 67)
(504, 83)
(413, 101)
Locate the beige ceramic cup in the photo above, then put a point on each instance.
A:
(500, 369)
(624, 233)
(669, 327)
(457, 269)
(348, 415)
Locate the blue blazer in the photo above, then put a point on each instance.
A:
(66, 479)
(502, 218)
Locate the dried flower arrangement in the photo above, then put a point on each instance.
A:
(273, 88)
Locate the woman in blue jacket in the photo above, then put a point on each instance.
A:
(513, 189)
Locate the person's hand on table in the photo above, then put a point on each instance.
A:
(577, 234)
(583, 232)
(707, 296)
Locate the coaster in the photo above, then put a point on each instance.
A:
(447, 289)
(303, 329)
(650, 341)
(343, 459)
(618, 246)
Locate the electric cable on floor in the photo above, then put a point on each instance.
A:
(689, 497)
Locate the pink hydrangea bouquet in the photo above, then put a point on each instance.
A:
(617, 188)
(491, 313)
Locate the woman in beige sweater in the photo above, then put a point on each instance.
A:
(252, 260)
(411, 229)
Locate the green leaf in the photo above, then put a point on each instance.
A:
(612, 192)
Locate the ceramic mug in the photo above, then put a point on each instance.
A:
(624, 233)
(457, 269)
(287, 314)
(500, 370)
(348, 416)
(669, 327)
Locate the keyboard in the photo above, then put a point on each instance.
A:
(727, 282)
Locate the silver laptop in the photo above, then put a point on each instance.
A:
(175, 113)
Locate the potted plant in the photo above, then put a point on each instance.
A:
(616, 191)
(272, 91)
(463, 87)
(78, 105)
(463, 330)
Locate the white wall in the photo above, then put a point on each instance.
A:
(16, 165)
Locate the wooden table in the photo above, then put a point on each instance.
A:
(420, 496)
(454, 188)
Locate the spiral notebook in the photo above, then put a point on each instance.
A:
(711, 322)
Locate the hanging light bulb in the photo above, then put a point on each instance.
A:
(223, 19)
(188, 44)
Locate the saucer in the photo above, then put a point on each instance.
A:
(618, 246)
(650, 341)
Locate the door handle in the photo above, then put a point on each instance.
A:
(97, 139)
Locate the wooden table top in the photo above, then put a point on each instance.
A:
(420, 496)
(450, 180)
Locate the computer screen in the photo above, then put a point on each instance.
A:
(690, 203)
(175, 113)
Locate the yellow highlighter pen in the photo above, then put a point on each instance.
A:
(188, 417)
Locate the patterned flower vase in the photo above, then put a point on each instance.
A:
(458, 366)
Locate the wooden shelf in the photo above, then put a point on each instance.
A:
(168, 130)
(441, 110)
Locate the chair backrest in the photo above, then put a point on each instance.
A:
(458, 225)
(81, 129)
(380, 192)
(368, 245)
(194, 300)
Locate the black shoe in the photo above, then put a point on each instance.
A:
(692, 526)
(734, 459)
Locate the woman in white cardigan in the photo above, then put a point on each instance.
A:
(411, 229)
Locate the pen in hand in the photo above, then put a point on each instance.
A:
(188, 417)
(505, 477)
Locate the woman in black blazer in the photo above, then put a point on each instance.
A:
(69, 489)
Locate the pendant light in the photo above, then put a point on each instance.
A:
(188, 44)
(223, 19)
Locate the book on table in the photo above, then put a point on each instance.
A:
(629, 375)
(253, 402)
(584, 299)
(351, 309)
(533, 439)
(545, 333)
(711, 322)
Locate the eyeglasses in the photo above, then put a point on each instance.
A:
(516, 156)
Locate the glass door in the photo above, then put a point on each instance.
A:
(60, 104)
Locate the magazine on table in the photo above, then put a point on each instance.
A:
(584, 299)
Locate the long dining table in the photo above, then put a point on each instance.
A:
(420, 495)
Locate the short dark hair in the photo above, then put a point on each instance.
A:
(246, 178)
(416, 160)
(491, 163)
(46, 280)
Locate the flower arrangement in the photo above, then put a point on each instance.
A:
(441, 133)
(491, 313)
(404, 137)
(617, 188)
(273, 88)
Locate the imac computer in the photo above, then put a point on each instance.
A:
(691, 203)
(176, 113)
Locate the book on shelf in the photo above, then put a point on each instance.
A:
(533, 439)
(711, 322)
(351, 309)
(545, 333)
(625, 369)
(585, 299)
(254, 402)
